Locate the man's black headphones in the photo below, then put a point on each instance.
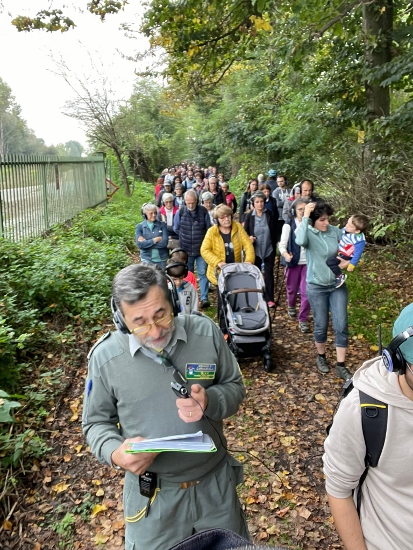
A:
(144, 206)
(173, 297)
(257, 195)
(177, 264)
(392, 356)
(309, 181)
(215, 220)
(175, 250)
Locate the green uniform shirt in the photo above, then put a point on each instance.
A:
(128, 388)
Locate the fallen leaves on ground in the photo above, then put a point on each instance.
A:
(278, 436)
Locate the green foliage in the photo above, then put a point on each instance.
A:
(63, 277)
(65, 529)
(370, 305)
(5, 407)
(23, 446)
(55, 20)
(85, 509)
(55, 297)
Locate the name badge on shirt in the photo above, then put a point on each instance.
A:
(200, 371)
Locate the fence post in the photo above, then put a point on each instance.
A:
(1, 217)
(1, 198)
(45, 209)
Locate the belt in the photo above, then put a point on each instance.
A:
(181, 485)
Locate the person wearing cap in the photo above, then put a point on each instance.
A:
(272, 180)
(385, 521)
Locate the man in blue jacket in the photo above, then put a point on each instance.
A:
(191, 223)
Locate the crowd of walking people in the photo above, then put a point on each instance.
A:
(194, 210)
(192, 224)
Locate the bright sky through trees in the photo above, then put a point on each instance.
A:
(27, 61)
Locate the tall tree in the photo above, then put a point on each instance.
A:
(94, 107)
(205, 40)
(74, 148)
(15, 136)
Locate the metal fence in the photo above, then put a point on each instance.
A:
(37, 192)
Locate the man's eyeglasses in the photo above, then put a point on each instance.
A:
(163, 321)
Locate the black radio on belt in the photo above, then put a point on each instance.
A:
(147, 484)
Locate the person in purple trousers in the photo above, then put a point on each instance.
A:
(293, 258)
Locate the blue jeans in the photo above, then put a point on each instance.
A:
(322, 300)
(201, 267)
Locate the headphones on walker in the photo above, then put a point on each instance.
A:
(173, 297)
(392, 356)
(183, 269)
(144, 216)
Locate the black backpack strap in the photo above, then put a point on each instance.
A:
(374, 424)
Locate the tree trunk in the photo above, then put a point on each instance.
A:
(377, 26)
(123, 172)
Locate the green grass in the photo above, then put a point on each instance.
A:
(371, 304)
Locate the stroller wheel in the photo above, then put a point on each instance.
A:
(267, 364)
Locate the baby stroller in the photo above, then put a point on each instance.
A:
(243, 313)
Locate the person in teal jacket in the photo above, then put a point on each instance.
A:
(320, 239)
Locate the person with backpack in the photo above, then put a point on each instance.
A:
(372, 508)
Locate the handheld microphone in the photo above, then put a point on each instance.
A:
(179, 390)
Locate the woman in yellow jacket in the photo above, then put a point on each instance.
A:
(225, 242)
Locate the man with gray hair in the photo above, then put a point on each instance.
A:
(191, 223)
(168, 496)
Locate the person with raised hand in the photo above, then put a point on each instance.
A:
(320, 240)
